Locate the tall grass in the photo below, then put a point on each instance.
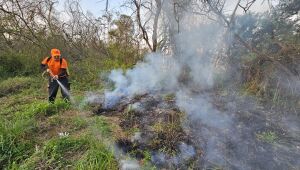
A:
(97, 158)
(17, 133)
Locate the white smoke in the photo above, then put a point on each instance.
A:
(199, 107)
(155, 73)
(129, 165)
(197, 46)
(186, 152)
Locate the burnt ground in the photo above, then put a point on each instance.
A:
(257, 137)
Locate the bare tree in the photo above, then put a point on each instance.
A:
(214, 7)
(153, 9)
(23, 19)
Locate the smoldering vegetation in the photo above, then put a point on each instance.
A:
(185, 120)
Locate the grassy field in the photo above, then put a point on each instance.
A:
(38, 135)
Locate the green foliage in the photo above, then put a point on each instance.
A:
(101, 124)
(98, 158)
(57, 151)
(169, 97)
(85, 73)
(50, 109)
(16, 143)
(121, 56)
(147, 156)
(269, 136)
(18, 64)
(78, 123)
(43, 108)
(14, 85)
(17, 140)
(11, 65)
(21, 146)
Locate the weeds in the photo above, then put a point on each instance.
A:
(16, 143)
(269, 137)
(97, 158)
(169, 97)
(101, 125)
(18, 124)
(58, 151)
(78, 123)
(14, 85)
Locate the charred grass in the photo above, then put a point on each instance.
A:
(150, 125)
(275, 84)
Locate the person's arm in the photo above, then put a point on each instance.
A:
(44, 65)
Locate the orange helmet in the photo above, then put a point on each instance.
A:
(55, 52)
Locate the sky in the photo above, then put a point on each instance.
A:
(258, 6)
(97, 7)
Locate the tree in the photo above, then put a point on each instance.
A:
(124, 31)
(153, 9)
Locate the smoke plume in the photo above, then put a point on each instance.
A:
(228, 135)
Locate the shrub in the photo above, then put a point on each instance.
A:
(18, 64)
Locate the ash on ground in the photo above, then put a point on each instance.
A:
(169, 138)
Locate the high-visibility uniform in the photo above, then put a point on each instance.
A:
(57, 67)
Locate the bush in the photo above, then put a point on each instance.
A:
(18, 64)
(11, 65)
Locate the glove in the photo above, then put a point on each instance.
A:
(55, 77)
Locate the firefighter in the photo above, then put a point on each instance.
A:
(57, 67)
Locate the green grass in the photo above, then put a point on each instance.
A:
(268, 136)
(14, 149)
(14, 85)
(56, 152)
(16, 142)
(97, 158)
(102, 126)
(25, 108)
(78, 123)
(169, 97)
(17, 139)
